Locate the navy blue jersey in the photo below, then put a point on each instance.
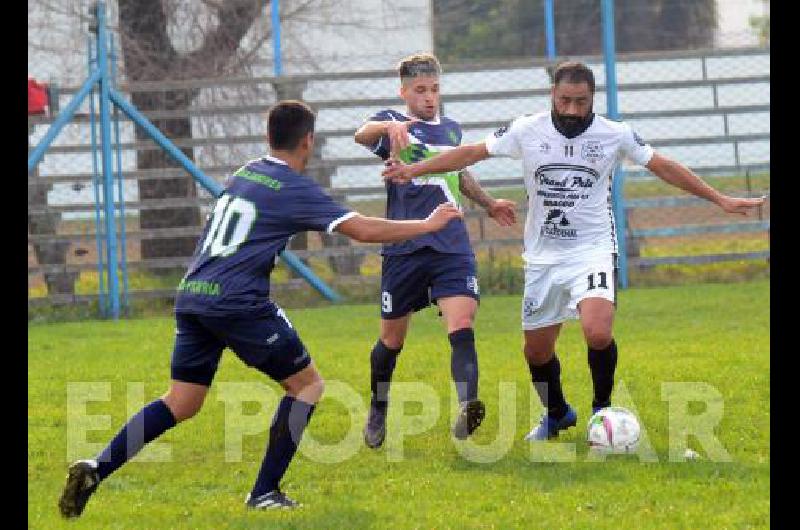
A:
(264, 204)
(418, 198)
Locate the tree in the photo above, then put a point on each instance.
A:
(761, 24)
(150, 54)
(467, 30)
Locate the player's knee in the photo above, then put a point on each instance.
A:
(312, 391)
(597, 337)
(319, 387)
(460, 323)
(308, 387)
(392, 341)
(182, 408)
(537, 355)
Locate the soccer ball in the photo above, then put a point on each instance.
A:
(613, 430)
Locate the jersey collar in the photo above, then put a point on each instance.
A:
(435, 121)
(270, 158)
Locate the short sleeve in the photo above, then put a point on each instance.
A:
(636, 149)
(313, 209)
(381, 147)
(505, 141)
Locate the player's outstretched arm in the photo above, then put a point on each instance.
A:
(682, 177)
(451, 160)
(397, 131)
(501, 210)
(378, 230)
(369, 133)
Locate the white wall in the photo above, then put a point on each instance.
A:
(733, 22)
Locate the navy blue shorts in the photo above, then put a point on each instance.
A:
(268, 344)
(413, 281)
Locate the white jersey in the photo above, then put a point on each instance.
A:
(568, 182)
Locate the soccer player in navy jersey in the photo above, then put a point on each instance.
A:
(223, 301)
(435, 268)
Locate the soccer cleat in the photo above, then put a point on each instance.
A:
(82, 480)
(268, 501)
(548, 427)
(469, 418)
(375, 429)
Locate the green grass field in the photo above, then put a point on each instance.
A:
(716, 334)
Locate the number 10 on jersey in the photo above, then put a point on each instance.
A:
(230, 225)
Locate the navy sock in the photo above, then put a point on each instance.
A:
(547, 382)
(382, 361)
(145, 426)
(602, 364)
(287, 428)
(464, 364)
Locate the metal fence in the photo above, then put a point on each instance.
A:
(708, 109)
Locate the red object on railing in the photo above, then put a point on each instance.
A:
(37, 97)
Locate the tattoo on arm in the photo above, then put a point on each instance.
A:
(472, 190)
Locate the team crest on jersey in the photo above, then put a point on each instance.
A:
(501, 131)
(592, 152)
(529, 306)
(472, 284)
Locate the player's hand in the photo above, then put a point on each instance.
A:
(740, 205)
(503, 212)
(398, 135)
(443, 214)
(397, 172)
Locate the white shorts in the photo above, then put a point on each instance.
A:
(553, 292)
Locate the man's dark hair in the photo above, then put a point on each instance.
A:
(573, 72)
(419, 64)
(288, 122)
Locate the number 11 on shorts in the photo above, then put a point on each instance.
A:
(602, 284)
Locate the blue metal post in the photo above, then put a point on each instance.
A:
(120, 182)
(62, 119)
(550, 29)
(98, 226)
(609, 52)
(214, 187)
(276, 37)
(108, 175)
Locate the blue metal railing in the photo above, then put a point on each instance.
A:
(550, 29)
(99, 74)
(609, 53)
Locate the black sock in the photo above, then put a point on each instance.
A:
(603, 363)
(145, 426)
(464, 364)
(547, 382)
(382, 361)
(287, 428)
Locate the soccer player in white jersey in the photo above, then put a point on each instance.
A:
(570, 244)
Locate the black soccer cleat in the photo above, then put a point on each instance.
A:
(469, 418)
(269, 501)
(82, 480)
(375, 429)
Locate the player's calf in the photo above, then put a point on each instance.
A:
(602, 364)
(383, 360)
(464, 368)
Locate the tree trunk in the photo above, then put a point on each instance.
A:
(164, 188)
